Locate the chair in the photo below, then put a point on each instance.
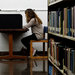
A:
(44, 41)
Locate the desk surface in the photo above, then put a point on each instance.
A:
(13, 30)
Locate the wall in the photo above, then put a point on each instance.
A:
(23, 4)
(9, 7)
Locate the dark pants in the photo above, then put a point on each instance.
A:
(26, 41)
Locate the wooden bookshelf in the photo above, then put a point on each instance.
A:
(62, 36)
(55, 34)
(58, 1)
(60, 70)
(56, 67)
(65, 40)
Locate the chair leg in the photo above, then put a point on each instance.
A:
(43, 48)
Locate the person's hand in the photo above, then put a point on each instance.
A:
(25, 28)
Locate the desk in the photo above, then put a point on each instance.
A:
(10, 35)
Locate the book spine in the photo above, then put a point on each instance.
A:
(74, 21)
(65, 21)
(50, 70)
(57, 29)
(69, 22)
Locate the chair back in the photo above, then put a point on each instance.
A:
(45, 31)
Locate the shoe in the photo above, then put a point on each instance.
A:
(24, 52)
(34, 52)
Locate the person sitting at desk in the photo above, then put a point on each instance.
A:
(35, 23)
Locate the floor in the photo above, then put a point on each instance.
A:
(24, 67)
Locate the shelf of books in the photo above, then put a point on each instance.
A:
(62, 57)
(62, 21)
(61, 36)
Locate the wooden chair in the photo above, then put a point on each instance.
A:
(44, 41)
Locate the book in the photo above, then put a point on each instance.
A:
(72, 60)
(50, 70)
(69, 21)
(57, 21)
(68, 58)
(61, 56)
(65, 21)
(74, 21)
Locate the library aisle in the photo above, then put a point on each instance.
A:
(24, 67)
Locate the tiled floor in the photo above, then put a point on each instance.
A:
(24, 67)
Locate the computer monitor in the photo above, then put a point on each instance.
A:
(10, 21)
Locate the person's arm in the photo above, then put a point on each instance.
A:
(31, 23)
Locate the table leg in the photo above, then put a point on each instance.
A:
(31, 66)
(11, 69)
(10, 45)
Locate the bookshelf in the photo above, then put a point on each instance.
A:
(57, 67)
(61, 36)
(55, 2)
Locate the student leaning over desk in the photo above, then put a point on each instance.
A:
(35, 23)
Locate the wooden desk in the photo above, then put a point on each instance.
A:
(10, 35)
